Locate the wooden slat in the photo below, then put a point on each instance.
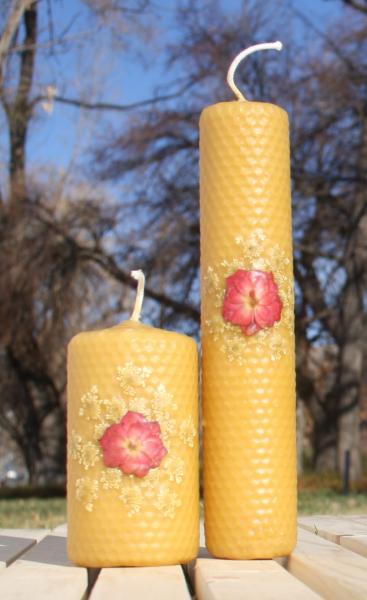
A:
(330, 570)
(61, 530)
(34, 534)
(359, 518)
(11, 547)
(153, 583)
(356, 543)
(349, 532)
(251, 579)
(44, 572)
(332, 528)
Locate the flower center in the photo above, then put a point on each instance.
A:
(251, 301)
(132, 445)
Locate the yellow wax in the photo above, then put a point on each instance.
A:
(115, 519)
(248, 380)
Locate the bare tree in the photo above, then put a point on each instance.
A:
(51, 265)
(59, 267)
(325, 97)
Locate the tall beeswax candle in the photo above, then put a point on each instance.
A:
(132, 446)
(247, 331)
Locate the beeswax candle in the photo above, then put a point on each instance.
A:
(247, 330)
(132, 446)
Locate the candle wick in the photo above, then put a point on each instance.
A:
(140, 277)
(239, 58)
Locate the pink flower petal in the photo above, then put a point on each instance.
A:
(239, 315)
(131, 418)
(155, 427)
(139, 466)
(155, 450)
(251, 329)
(134, 445)
(252, 300)
(239, 282)
(264, 317)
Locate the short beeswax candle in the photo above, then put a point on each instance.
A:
(132, 445)
(247, 330)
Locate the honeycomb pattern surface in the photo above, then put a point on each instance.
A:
(106, 534)
(248, 408)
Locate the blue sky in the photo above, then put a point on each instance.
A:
(100, 70)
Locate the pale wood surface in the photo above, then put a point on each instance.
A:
(318, 568)
(34, 534)
(349, 531)
(359, 518)
(61, 530)
(43, 572)
(332, 571)
(247, 580)
(148, 583)
(333, 528)
(12, 547)
(356, 543)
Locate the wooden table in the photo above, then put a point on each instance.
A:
(330, 561)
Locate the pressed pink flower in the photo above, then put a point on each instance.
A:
(252, 300)
(134, 445)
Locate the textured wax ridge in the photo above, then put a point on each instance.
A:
(106, 529)
(248, 386)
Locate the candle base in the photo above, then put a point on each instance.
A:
(243, 549)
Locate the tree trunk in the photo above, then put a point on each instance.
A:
(325, 445)
(19, 111)
(351, 358)
(11, 26)
(352, 318)
(349, 419)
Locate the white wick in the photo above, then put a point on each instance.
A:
(240, 57)
(140, 277)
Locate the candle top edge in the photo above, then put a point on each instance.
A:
(127, 327)
(240, 106)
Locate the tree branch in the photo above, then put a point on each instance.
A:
(27, 58)
(79, 103)
(109, 265)
(12, 24)
(356, 5)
